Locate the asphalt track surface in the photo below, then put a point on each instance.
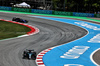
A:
(51, 33)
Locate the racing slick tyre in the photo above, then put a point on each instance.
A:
(26, 21)
(14, 19)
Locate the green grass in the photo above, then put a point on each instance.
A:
(10, 30)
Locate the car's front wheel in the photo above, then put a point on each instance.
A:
(26, 21)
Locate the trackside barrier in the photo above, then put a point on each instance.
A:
(97, 15)
(5, 8)
(42, 11)
(63, 13)
(21, 9)
(49, 12)
(83, 14)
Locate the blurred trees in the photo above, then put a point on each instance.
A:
(63, 5)
(77, 5)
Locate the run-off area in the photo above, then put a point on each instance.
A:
(69, 54)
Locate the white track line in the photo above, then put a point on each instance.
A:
(91, 57)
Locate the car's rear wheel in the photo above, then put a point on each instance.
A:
(14, 19)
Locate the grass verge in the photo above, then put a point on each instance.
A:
(9, 30)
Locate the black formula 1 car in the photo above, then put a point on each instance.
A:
(29, 54)
(19, 20)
